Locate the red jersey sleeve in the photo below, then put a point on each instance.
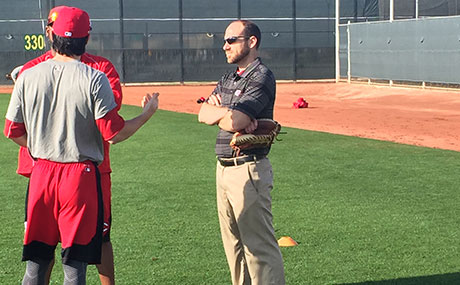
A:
(13, 129)
(110, 125)
(114, 80)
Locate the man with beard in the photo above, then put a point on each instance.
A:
(244, 180)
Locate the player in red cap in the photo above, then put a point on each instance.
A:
(62, 110)
(25, 162)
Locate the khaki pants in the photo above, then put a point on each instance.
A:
(244, 206)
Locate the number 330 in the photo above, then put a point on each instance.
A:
(34, 42)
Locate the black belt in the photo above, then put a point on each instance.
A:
(235, 161)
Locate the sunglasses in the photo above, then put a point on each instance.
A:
(232, 40)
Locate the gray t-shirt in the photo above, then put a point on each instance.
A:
(58, 102)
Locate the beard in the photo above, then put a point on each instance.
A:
(238, 57)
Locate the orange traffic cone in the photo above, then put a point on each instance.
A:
(287, 241)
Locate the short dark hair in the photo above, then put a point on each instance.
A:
(251, 29)
(69, 46)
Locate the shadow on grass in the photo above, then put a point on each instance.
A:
(441, 279)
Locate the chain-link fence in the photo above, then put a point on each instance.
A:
(181, 40)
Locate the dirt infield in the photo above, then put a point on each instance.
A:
(423, 117)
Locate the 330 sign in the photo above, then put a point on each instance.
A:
(34, 42)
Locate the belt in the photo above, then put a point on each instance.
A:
(235, 161)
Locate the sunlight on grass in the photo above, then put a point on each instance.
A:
(361, 210)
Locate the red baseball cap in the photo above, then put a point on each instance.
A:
(53, 14)
(70, 22)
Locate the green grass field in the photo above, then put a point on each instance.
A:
(363, 211)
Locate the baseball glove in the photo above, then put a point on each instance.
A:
(266, 132)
